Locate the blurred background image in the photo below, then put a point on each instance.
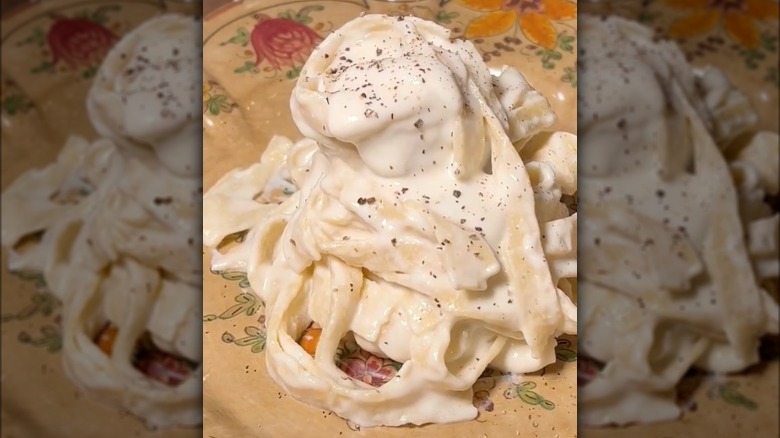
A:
(101, 196)
(678, 175)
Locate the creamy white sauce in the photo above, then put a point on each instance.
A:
(145, 94)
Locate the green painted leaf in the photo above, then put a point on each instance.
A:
(44, 67)
(243, 342)
(233, 311)
(530, 397)
(547, 56)
(25, 313)
(218, 104)
(253, 331)
(255, 339)
(565, 42)
(54, 345)
(547, 404)
(36, 277)
(302, 16)
(570, 76)
(43, 303)
(258, 347)
(526, 386)
(730, 394)
(37, 37)
(294, 73)
(215, 104)
(647, 17)
(241, 38)
(752, 57)
(445, 17)
(769, 42)
(565, 355)
(90, 72)
(303, 19)
(248, 304)
(210, 317)
(234, 276)
(248, 67)
(51, 338)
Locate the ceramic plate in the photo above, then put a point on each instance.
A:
(744, 404)
(245, 103)
(42, 103)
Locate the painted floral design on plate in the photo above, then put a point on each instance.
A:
(541, 30)
(44, 309)
(76, 42)
(215, 99)
(366, 367)
(746, 27)
(62, 42)
(742, 29)
(278, 44)
(12, 99)
(361, 365)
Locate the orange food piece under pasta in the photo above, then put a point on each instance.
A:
(106, 338)
(310, 339)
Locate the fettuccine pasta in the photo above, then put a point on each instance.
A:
(407, 219)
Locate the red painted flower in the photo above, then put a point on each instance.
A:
(163, 367)
(370, 369)
(587, 370)
(282, 42)
(481, 400)
(78, 42)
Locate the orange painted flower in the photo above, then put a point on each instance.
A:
(737, 17)
(533, 16)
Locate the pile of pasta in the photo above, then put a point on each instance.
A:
(107, 232)
(325, 243)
